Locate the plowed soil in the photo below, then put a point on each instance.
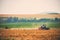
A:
(8, 34)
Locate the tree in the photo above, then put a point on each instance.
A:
(56, 19)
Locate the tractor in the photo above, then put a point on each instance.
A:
(43, 27)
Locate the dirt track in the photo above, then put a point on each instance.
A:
(29, 34)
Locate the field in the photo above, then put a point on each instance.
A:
(32, 34)
(30, 25)
(12, 26)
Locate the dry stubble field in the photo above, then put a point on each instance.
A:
(8, 34)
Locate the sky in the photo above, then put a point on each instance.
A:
(29, 6)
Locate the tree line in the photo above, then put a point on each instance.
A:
(16, 19)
